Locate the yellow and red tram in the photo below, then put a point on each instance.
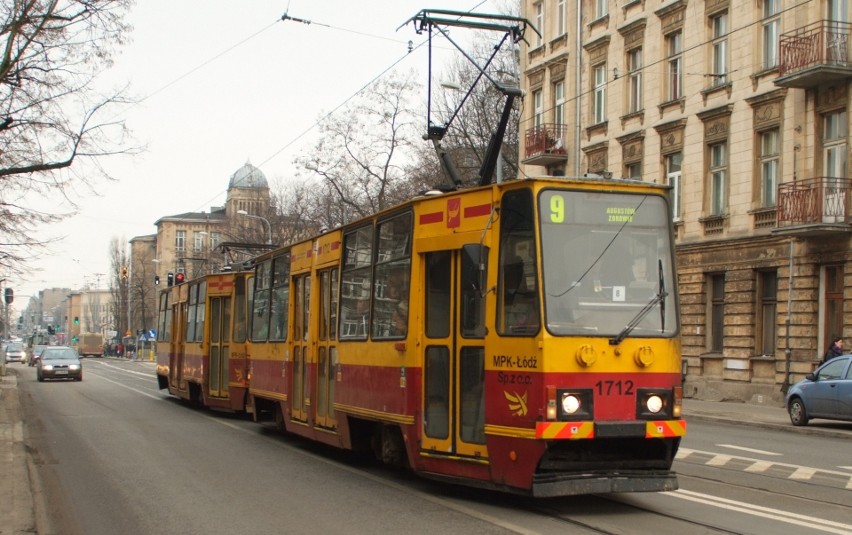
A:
(201, 340)
(522, 336)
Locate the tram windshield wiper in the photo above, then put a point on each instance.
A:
(659, 298)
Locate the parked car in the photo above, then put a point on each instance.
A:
(59, 362)
(15, 352)
(35, 355)
(825, 393)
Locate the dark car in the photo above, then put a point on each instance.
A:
(59, 362)
(35, 355)
(825, 393)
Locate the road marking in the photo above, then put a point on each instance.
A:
(750, 450)
(812, 522)
(114, 367)
(800, 473)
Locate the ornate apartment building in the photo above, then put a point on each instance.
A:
(743, 109)
(190, 243)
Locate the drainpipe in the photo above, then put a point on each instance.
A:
(787, 351)
(579, 87)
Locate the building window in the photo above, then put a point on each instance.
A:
(559, 103)
(718, 178)
(599, 99)
(560, 18)
(634, 67)
(834, 144)
(769, 162)
(767, 300)
(771, 29)
(833, 299)
(674, 59)
(198, 241)
(673, 165)
(180, 241)
(538, 108)
(716, 336)
(633, 170)
(215, 239)
(538, 9)
(719, 24)
(601, 10)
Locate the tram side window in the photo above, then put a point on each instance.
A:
(191, 312)
(239, 309)
(393, 275)
(164, 332)
(356, 283)
(280, 297)
(261, 301)
(517, 287)
(200, 314)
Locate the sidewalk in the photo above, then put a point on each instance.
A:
(17, 513)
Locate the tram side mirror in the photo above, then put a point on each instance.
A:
(476, 256)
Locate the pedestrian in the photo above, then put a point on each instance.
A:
(834, 350)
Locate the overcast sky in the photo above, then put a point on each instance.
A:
(223, 82)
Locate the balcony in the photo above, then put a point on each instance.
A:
(814, 55)
(545, 145)
(814, 207)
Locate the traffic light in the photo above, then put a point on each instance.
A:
(179, 278)
(76, 320)
(170, 279)
(156, 279)
(9, 296)
(123, 272)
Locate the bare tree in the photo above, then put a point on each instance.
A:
(362, 152)
(142, 290)
(51, 117)
(119, 283)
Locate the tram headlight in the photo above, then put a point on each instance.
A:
(570, 403)
(654, 404)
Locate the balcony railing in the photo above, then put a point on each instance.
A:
(820, 201)
(815, 54)
(545, 144)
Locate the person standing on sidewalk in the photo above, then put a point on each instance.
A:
(834, 350)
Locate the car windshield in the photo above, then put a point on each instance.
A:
(15, 347)
(59, 354)
(607, 263)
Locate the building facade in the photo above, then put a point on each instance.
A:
(191, 243)
(742, 108)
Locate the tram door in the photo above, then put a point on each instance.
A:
(299, 395)
(178, 344)
(220, 338)
(326, 349)
(454, 359)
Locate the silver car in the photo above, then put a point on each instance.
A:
(59, 362)
(825, 393)
(15, 352)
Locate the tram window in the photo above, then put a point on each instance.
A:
(472, 304)
(164, 332)
(280, 296)
(190, 315)
(517, 288)
(438, 294)
(356, 284)
(199, 315)
(240, 309)
(393, 273)
(472, 406)
(261, 301)
(437, 392)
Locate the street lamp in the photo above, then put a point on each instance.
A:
(268, 226)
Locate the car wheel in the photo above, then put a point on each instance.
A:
(798, 415)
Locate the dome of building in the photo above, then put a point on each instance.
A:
(248, 176)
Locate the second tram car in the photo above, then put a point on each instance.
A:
(201, 340)
(522, 336)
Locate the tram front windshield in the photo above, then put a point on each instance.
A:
(607, 264)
